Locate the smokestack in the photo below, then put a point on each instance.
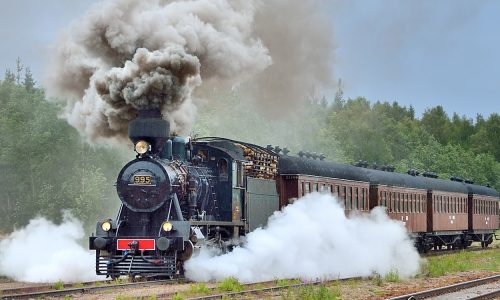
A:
(149, 126)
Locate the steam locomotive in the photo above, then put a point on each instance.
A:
(179, 194)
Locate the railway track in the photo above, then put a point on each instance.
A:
(255, 289)
(490, 289)
(85, 288)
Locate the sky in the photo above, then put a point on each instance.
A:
(421, 53)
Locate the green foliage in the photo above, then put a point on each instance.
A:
(392, 276)
(286, 282)
(377, 280)
(199, 288)
(311, 292)
(230, 284)
(45, 167)
(58, 285)
(488, 260)
(178, 296)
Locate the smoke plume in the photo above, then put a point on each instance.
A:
(45, 252)
(312, 239)
(124, 55)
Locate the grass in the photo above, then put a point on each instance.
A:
(311, 292)
(230, 284)
(178, 296)
(487, 260)
(377, 280)
(199, 288)
(58, 285)
(285, 282)
(392, 276)
(120, 280)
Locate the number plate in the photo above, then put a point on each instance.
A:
(143, 180)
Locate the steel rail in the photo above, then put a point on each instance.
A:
(85, 290)
(492, 295)
(447, 289)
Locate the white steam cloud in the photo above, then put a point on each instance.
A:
(125, 55)
(312, 239)
(45, 252)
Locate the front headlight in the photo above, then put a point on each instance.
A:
(106, 226)
(166, 226)
(141, 147)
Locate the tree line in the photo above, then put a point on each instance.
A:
(45, 167)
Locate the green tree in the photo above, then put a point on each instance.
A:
(487, 138)
(436, 122)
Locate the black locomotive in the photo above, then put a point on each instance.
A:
(179, 194)
(175, 195)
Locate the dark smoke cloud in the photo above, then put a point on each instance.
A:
(124, 55)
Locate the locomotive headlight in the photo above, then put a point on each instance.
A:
(106, 226)
(141, 147)
(166, 226)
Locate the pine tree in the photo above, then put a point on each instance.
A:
(9, 76)
(29, 82)
(19, 69)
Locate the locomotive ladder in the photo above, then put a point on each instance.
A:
(214, 197)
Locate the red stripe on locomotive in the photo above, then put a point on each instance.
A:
(143, 244)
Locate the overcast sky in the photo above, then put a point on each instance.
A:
(423, 53)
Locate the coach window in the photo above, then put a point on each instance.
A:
(393, 201)
(363, 200)
(355, 197)
(413, 203)
(396, 203)
(399, 200)
(348, 198)
(337, 191)
(308, 188)
(404, 202)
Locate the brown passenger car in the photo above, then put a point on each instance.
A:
(407, 205)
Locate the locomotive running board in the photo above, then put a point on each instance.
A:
(215, 223)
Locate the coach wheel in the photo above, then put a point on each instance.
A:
(482, 245)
